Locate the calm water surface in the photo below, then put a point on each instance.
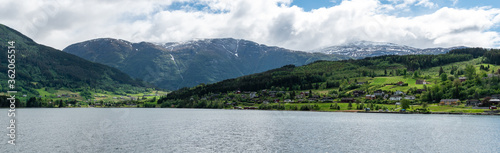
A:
(198, 130)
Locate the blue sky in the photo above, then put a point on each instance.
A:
(416, 23)
(308, 5)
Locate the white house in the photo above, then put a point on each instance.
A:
(253, 94)
(395, 98)
(378, 93)
(410, 97)
(399, 93)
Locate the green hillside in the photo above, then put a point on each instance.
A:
(339, 79)
(42, 67)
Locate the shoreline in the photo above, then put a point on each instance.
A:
(447, 113)
(344, 111)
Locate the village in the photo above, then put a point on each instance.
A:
(389, 101)
(249, 100)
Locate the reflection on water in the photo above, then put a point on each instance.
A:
(196, 130)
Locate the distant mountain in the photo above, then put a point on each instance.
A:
(38, 66)
(186, 64)
(362, 49)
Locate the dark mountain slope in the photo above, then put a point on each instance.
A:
(186, 64)
(40, 66)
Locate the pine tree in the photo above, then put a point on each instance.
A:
(444, 77)
(470, 71)
(405, 104)
(441, 71)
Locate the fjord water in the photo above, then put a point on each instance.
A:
(203, 130)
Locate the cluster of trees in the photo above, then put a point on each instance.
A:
(33, 102)
(361, 106)
(6, 103)
(179, 103)
(333, 84)
(492, 56)
(335, 106)
(39, 102)
(309, 107)
(486, 68)
(271, 107)
(475, 87)
(475, 52)
(415, 62)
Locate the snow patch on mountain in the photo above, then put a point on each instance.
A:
(175, 63)
(237, 45)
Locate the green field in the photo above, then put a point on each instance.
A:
(453, 109)
(395, 79)
(52, 95)
(379, 81)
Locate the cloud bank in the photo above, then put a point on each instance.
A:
(59, 23)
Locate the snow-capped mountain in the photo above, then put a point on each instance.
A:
(362, 49)
(175, 65)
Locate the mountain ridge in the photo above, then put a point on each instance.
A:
(174, 65)
(362, 49)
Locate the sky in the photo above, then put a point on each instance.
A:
(294, 24)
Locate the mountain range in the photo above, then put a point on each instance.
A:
(186, 64)
(362, 49)
(170, 65)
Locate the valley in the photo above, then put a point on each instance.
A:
(239, 74)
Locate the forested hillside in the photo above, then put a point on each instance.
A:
(443, 73)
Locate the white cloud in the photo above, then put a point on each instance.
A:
(426, 3)
(271, 22)
(407, 3)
